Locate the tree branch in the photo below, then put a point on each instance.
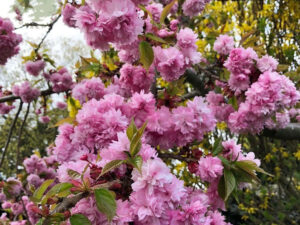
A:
(9, 98)
(194, 79)
(291, 132)
(26, 213)
(189, 95)
(19, 137)
(66, 204)
(178, 157)
(33, 24)
(46, 34)
(10, 133)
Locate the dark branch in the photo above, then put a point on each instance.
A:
(69, 203)
(10, 133)
(194, 79)
(48, 31)
(20, 135)
(291, 132)
(189, 95)
(33, 24)
(178, 157)
(26, 213)
(66, 204)
(13, 97)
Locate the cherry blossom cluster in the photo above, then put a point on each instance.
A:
(4, 107)
(60, 80)
(37, 171)
(26, 92)
(9, 40)
(97, 21)
(263, 95)
(35, 67)
(101, 132)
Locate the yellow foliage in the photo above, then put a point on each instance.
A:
(268, 157)
(297, 154)
(221, 126)
(73, 107)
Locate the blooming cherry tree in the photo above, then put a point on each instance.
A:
(144, 108)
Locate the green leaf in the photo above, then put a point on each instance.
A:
(146, 54)
(56, 218)
(26, 3)
(244, 167)
(166, 11)
(148, 13)
(83, 172)
(131, 130)
(136, 144)
(155, 38)
(225, 162)
(221, 188)
(217, 148)
(38, 194)
(56, 189)
(40, 222)
(230, 183)
(233, 101)
(260, 170)
(249, 165)
(110, 166)
(79, 219)
(136, 162)
(106, 203)
(74, 174)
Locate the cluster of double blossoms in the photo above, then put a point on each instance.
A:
(154, 196)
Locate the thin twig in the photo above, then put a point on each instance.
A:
(26, 213)
(178, 157)
(46, 34)
(189, 95)
(20, 135)
(10, 133)
(33, 24)
(9, 98)
(66, 204)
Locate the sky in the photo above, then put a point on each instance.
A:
(65, 44)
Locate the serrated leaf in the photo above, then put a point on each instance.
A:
(155, 38)
(56, 189)
(260, 170)
(70, 120)
(136, 144)
(166, 11)
(146, 54)
(218, 147)
(136, 162)
(230, 183)
(131, 130)
(250, 165)
(106, 203)
(32, 44)
(246, 164)
(83, 172)
(225, 162)
(38, 194)
(40, 222)
(233, 101)
(110, 166)
(57, 218)
(74, 174)
(79, 219)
